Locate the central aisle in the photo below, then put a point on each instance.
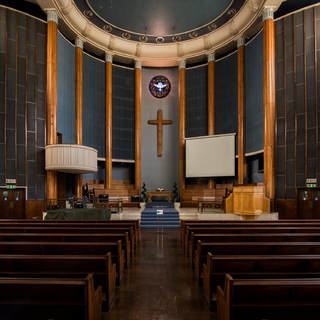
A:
(159, 284)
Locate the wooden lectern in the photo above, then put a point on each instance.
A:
(248, 199)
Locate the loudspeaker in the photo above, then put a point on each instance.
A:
(103, 198)
(135, 198)
(78, 205)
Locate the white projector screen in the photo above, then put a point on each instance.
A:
(210, 156)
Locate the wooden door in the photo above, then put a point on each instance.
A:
(12, 203)
(308, 203)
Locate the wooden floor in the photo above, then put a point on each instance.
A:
(159, 284)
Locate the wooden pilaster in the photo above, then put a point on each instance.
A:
(51, 101)
(182, 124)
(269, 100)
(241, 112)
(108, 171)
(137, 129)
(78, 102)
(211, 103)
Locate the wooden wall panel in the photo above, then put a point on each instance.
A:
(286, 209)
(35, 208)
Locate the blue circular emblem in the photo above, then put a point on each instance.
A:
(159, 87)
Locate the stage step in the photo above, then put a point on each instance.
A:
(160, 204)
(150, 219)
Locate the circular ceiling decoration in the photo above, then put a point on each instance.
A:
(159, 86)
(167, 19)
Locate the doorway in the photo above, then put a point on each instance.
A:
(12, 203)
(308, 203)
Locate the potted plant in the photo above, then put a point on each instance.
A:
(144, 193)
(175, 194)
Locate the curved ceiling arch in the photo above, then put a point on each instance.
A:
(236, 18)
(160, 18)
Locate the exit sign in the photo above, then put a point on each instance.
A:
(11, 187)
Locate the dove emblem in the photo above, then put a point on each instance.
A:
(159, 86)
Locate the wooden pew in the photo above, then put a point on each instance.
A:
(240, 226)
(79, 223)
(184, 223)
(268, 299)
(248, 230)
(290, 265)
(64, 266)
(250, 248)
(47, 298)
(69, 248)
(57, 237)
(189, 198)
(254, 237)
(71, 230)
(135, 223)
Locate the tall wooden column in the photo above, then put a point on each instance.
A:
(269, 100)
(78, 101)
(182, 124)
(211, 102)
(241, 111)
(137, 123)
(52, 86)
(108, 171)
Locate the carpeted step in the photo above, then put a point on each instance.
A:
(160, 204)
(167, 214)
(152, 226)
(160, 222)
(150, 219)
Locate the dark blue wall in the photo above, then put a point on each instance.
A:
(254, 94)
(22, 101)
(197, 101)
(94, 104)
(66, 90)
(226, 95)
(122, 113)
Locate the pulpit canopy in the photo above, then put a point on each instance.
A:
(71, 158)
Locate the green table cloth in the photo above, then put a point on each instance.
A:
(78, 214)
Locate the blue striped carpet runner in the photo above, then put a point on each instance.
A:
(149, 216)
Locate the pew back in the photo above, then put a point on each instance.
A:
(47, 298)
(72, 230)
(268, 298)
(84, 223)
(248, 230)
(64, 266)
(251, 248)
(217, 266)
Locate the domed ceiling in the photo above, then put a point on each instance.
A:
(160, 18)
(159, 33)
(160, 22)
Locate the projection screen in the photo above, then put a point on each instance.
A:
(210, 156)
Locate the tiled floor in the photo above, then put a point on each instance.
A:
(159, 284)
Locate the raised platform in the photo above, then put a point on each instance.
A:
(192, 214)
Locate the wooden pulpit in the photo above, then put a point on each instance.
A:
(248, 199)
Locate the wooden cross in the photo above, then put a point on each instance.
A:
(159, 122)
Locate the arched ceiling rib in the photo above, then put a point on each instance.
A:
(129, 29)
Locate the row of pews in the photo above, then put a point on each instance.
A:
(63, 269)
(257, 269)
